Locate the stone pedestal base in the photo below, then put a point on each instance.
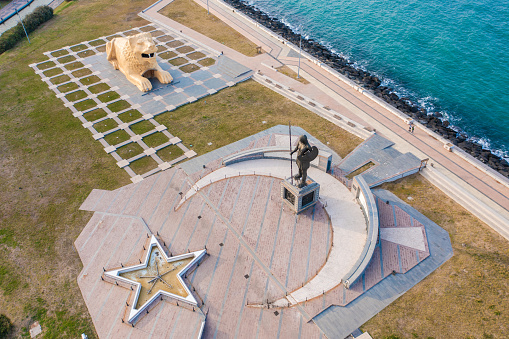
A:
(299, 199)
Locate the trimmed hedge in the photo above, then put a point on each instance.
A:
(33, 20)
(5, 326)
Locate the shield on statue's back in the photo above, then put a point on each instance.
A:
(309, 156)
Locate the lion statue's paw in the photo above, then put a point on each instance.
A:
(144, 85)
(164, 77)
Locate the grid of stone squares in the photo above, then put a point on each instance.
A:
(120, 116)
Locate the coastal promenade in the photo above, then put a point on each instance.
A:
(469, 182)
(8, 14)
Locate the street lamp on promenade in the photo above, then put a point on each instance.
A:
(300, 50)
(22, 24)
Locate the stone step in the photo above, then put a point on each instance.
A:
(231, 67)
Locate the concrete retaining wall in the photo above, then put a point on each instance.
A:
(365, 198)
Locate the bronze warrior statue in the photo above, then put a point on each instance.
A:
(305, 154)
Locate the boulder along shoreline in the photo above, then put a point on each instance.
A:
(432, 120)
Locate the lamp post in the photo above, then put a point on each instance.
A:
(300, 51)
(208, 7)
(22, 25)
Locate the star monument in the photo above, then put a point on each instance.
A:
(159, 275)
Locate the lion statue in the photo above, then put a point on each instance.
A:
(135, 57)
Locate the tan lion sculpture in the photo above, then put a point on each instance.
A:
(135, 57)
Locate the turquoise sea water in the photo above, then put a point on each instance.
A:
(450, 56)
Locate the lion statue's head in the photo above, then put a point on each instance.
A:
(143, 47)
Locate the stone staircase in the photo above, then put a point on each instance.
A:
(390, 164)
(232, 68)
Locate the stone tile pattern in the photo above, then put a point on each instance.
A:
(228, 283)
(114, 237)
(75, 64)
(233, 290)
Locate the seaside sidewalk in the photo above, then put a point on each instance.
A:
(463, 178)
(23, 11)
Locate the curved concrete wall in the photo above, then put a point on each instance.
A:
(365, 198)
(323, 161)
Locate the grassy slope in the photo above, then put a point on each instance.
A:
(237, 112)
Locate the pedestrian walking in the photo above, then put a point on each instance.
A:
(413, 127)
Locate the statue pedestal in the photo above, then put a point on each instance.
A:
(299, 199)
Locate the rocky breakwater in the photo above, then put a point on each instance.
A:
(433, 120)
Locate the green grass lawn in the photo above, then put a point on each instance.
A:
(245, 109)
(192, 15)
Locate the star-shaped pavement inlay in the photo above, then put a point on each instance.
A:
(159, 275)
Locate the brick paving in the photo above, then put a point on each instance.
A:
(232, 290)
(395, 257)
(109, 240)
(385, 214)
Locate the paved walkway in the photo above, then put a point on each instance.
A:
(9, 18)
(347, 221)
(338, 93)
(259, 252)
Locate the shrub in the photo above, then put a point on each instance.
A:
(5, 326)
(33, 20)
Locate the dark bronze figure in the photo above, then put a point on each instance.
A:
(305, 154)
